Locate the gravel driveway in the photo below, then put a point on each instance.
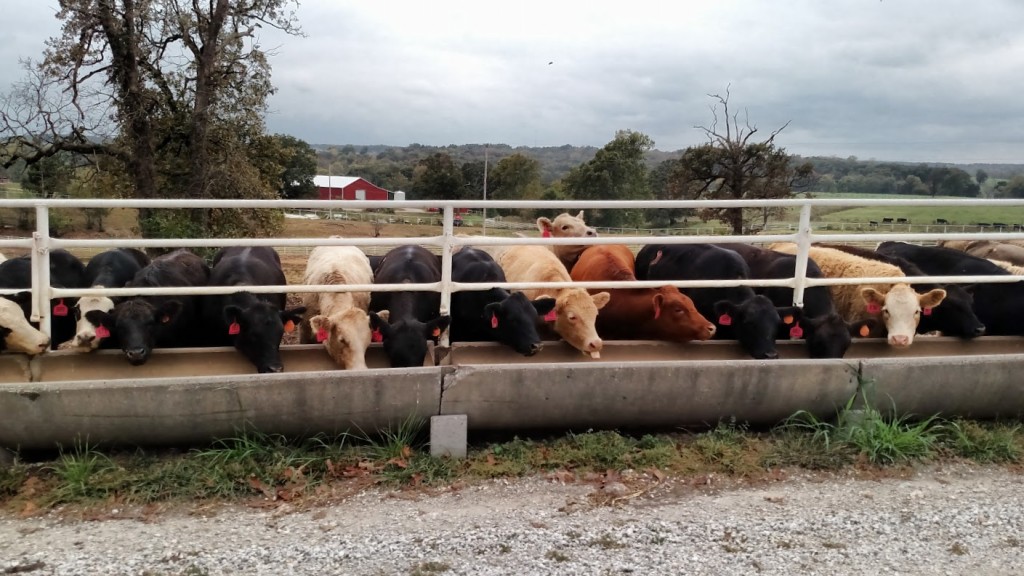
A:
(954, 519)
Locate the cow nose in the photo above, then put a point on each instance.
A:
(979, 331)
(591, 233)
(534, 348)
(136, 355)
(711, 330)
(84, 339)
(899, 340)
(594, 345)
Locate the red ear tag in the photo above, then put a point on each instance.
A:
(436, 332)
(725, 320)
(873, 308)
(545, 234)
(60, 309)
(376, 336)
(927, 312)
(234, 328)
(321, 335)
(494, 320)
(864, 331)
(102, 332)
(550, 316)
(796, 332)
(289, 327)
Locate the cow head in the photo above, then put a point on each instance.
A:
(566, 226)
(677, 318)
(259, 328)
(513, 321)
(955, 317)
(137, 325)
(575, 315)
(901, 310)
(829, 336)
(16, 334)
(405, 341)
(85, 331)
(346, 336)
(755, 323)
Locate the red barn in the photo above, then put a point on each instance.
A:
(348, 188)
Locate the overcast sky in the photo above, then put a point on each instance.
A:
(922, 80)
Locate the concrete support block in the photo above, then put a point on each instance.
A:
(448, 435)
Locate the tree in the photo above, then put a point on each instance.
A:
(665, 186)
(50, 177)
(288, 163)
(981, 177)
(174, 90)
(733, 166)
(617, 172)
(437, 178)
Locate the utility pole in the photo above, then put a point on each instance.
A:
(486, 147)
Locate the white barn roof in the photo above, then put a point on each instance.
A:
(323, 181)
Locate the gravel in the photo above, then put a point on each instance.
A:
(944, 520)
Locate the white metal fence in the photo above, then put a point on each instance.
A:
(41, 243)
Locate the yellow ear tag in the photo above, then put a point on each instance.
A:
(787, 320)
(436, 332)
(864, 331)
(289, 327)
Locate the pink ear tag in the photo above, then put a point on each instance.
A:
(545, 234)
(60, 309)
(927, 312)
(102, 332)
(657, 312)
(376, 336)
(550, 316)
(234, 328)
(494, 320)
(321, 335)
(725, 320)
(796, 332)
(873, 308)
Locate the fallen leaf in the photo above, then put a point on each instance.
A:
(658, 474)
(258, 484)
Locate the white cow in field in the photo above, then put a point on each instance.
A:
(338, 319)
(16, 334)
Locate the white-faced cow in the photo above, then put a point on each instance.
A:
(414, 316)
(142, 323)
(338, 319)
(252, 323)
(66, 271)
(566, 225)
(110, 269)
(493, 315)
(16, 334)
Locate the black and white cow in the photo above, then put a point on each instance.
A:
(252, 323)
(493, 315)
(16, 334)
(110, 269)
(66, 271)
(142, 323)
(414, 317)
(740, 314)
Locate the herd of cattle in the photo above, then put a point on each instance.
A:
(404, 321)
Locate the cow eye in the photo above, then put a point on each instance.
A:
(566, 227)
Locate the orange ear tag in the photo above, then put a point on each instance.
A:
(787, 320)
(864, 331)
(725, 320)
(436, 332)
(289, 327)
(60, 309)
(873, 308)
(321, 335)
(234, 328)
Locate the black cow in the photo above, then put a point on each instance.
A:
(1000, 307)
(953, 317)
(66, 271)
(825, 332)
(493, 315)
(413, 317)
(142, 323)
(741, 315)
(110, 269)
(252, 323)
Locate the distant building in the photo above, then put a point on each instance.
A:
(348, 188)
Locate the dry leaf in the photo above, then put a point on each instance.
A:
(259, 485)
(658, 474)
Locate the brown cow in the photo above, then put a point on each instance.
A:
(575, 310)
(639, 313)
(566, 226)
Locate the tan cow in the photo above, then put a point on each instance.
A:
(1009, 267)
(16, 334)
(338, 319)
(566, 226)
(898, 304)
(575, 309)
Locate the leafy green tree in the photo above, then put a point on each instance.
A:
(617, 172)
(438, 178)
(288, 164)
(959, 183)
(664, 183)
(50, 177)
(473, 180)
(980, 176)
(1012, 188)
(733, 166)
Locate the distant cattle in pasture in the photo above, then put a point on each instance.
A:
(941, 221)
(887, 220)
(872, 223)
(902, 221)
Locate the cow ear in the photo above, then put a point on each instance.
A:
(494, 308)
(293, 314)
(543, 305)
(601, 299)
(432, 330)
(101, 318)
(379, 323)
(969, 288)
(543, 224)
(872, 296)
(232, 313)
(22, 298)
(580, 215)
(932, 298)
(659, 301)
(726, 307)
(168, 311)
(791, 313)
(317, 322)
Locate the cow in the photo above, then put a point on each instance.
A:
(338, 319)
(1011, 268)
(941, 221)
(954, 317)
(742, 315)
(142, 323)
(899, 306)
(999, 306)
(902, 221)
(575, 313)
(66, 271)
(110, 269)
(494, 314)
(252, 323)
(16, 334)
(887, 220)
(992, 250)
(566, 225)
(825, 333)
(662, 313)
(414, 316)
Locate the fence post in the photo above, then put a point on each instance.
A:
(803, 244)
(446, 267)
(41, 270)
